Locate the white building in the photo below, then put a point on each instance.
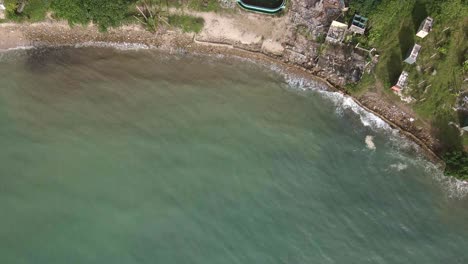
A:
(337, 32)
(425, 27)
(402, 82)
(413, 55)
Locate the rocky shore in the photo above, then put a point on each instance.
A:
(209, 41)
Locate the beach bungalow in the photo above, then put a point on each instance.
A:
(425, 27)
(358, 25)
(413, 54)
(337, 32)
(402, 82)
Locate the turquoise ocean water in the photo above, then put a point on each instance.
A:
(111, 156)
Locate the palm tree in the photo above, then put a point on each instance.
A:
(153, 12)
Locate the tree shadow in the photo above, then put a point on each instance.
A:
(405, 39)
(394, 67)
(419, 13)
(447, 133)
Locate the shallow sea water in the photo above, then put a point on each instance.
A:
(111, 156)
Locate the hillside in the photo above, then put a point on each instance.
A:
(437, 81)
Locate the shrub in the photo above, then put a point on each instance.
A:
(34, 10)
(105, 13)
(457, 164)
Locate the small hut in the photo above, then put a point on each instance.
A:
(358, 25)
(402, 82)
(413, 54)
(337, 32)
(425, 27)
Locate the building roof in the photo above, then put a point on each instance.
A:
(336, 31)
(402, 80)
(360, 21)
(358, 25)
(413, 55)
(426, 25)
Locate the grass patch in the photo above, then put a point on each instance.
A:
(34, 10)
(465, 139)
(187, 23)
(204, 5)
(105, 13)
(357, 89)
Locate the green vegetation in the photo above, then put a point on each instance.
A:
(465, 140)
(32, 10)
(436, 80)
(111, 13)
(152, 13)
(198, 5)
(204, 5)
(105, 13)
(187, 23)
(457, 164)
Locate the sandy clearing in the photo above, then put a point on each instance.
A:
(12, 37)
(260, 32)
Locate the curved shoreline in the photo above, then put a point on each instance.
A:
(53, 34)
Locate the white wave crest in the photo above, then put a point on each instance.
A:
(399, 166)
(302, 83)
(17, 48)
(455, 189)
(343, 102)
(115, 45)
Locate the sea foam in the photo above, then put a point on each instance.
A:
(115, 45)
(455, 188)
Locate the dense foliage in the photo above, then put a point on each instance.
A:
(110, 13)
(105, 13)
(33, 10)
(457, 164)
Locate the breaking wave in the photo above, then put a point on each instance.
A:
(115, 45)
(455, 188)
(17, 48)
